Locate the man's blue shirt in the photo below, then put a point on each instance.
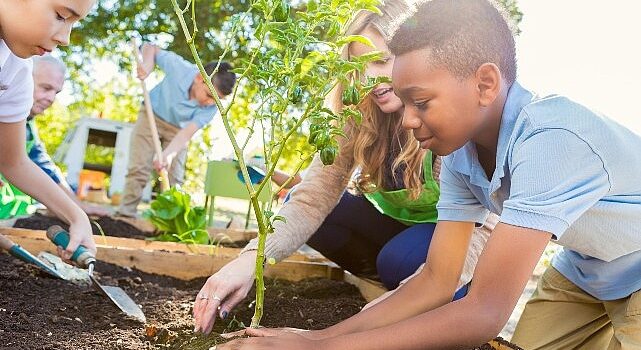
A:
(170, 98)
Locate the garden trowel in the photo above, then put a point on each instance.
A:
(22, 254)
(85, 259)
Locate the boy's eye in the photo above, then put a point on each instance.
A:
(59, 17)
(421, 105)
(383, 60)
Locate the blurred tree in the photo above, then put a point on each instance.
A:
(104, 34)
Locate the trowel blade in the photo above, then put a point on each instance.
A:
(69, 273)
(122, 300)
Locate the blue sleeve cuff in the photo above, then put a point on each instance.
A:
(464, 215)
(40, 157)
(537, 221)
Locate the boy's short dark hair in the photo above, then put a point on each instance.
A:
(224, 79)
(462, 35)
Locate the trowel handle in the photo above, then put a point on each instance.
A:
(60, 237)
(6, 243)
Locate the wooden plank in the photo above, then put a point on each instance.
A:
(231, 235)
(120, 242)
(173, 259)
(369, 289)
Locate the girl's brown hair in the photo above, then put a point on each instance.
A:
(371, 140)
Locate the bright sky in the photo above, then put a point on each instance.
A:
(588, 50)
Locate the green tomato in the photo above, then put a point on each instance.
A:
(328, 155)
(296, 95)
(322, 139)
(346, 97)
(314, 130)
(356, 98)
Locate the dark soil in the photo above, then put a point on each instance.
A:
(40, 312)
(110, 226)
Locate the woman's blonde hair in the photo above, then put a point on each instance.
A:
(371, 140)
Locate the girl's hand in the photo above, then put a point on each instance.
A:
(79, 234)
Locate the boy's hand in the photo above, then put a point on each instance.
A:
(164, 162)
(290, 341)
(144, 69)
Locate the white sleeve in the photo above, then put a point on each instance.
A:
(16, 90)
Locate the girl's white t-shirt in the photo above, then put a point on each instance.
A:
(16, 86)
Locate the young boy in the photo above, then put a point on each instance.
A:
(182, 104)
(27, 28)
(552, 168)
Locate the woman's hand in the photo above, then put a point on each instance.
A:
(223, 290)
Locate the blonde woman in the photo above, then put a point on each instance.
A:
(383, 233)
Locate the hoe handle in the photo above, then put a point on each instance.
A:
(164, 177)
(60, 237)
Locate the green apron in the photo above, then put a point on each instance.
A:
(14, 202)
(398, 205)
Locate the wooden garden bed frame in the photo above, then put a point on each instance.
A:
(187, 262)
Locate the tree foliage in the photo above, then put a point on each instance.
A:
(104, 34)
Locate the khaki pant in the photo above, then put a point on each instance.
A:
(562, 316)
(141, 154)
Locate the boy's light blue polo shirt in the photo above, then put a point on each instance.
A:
(170, 98)
(563, 169)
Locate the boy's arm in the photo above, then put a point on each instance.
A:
(149, 52)
(25, 174)
(501, 274)
(434, 286)
(177, 144)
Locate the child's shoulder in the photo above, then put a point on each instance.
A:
(556, 111)
(16, 85)
(10, 62)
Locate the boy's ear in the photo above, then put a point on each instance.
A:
(488, 78)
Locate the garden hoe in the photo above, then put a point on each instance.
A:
(84, 259)
(22, 254)
(164, 177)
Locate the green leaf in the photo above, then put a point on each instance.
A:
(354, 38)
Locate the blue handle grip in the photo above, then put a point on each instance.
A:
(60, 237)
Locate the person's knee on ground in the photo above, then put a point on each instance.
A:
(347, 235)
(403, 254)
